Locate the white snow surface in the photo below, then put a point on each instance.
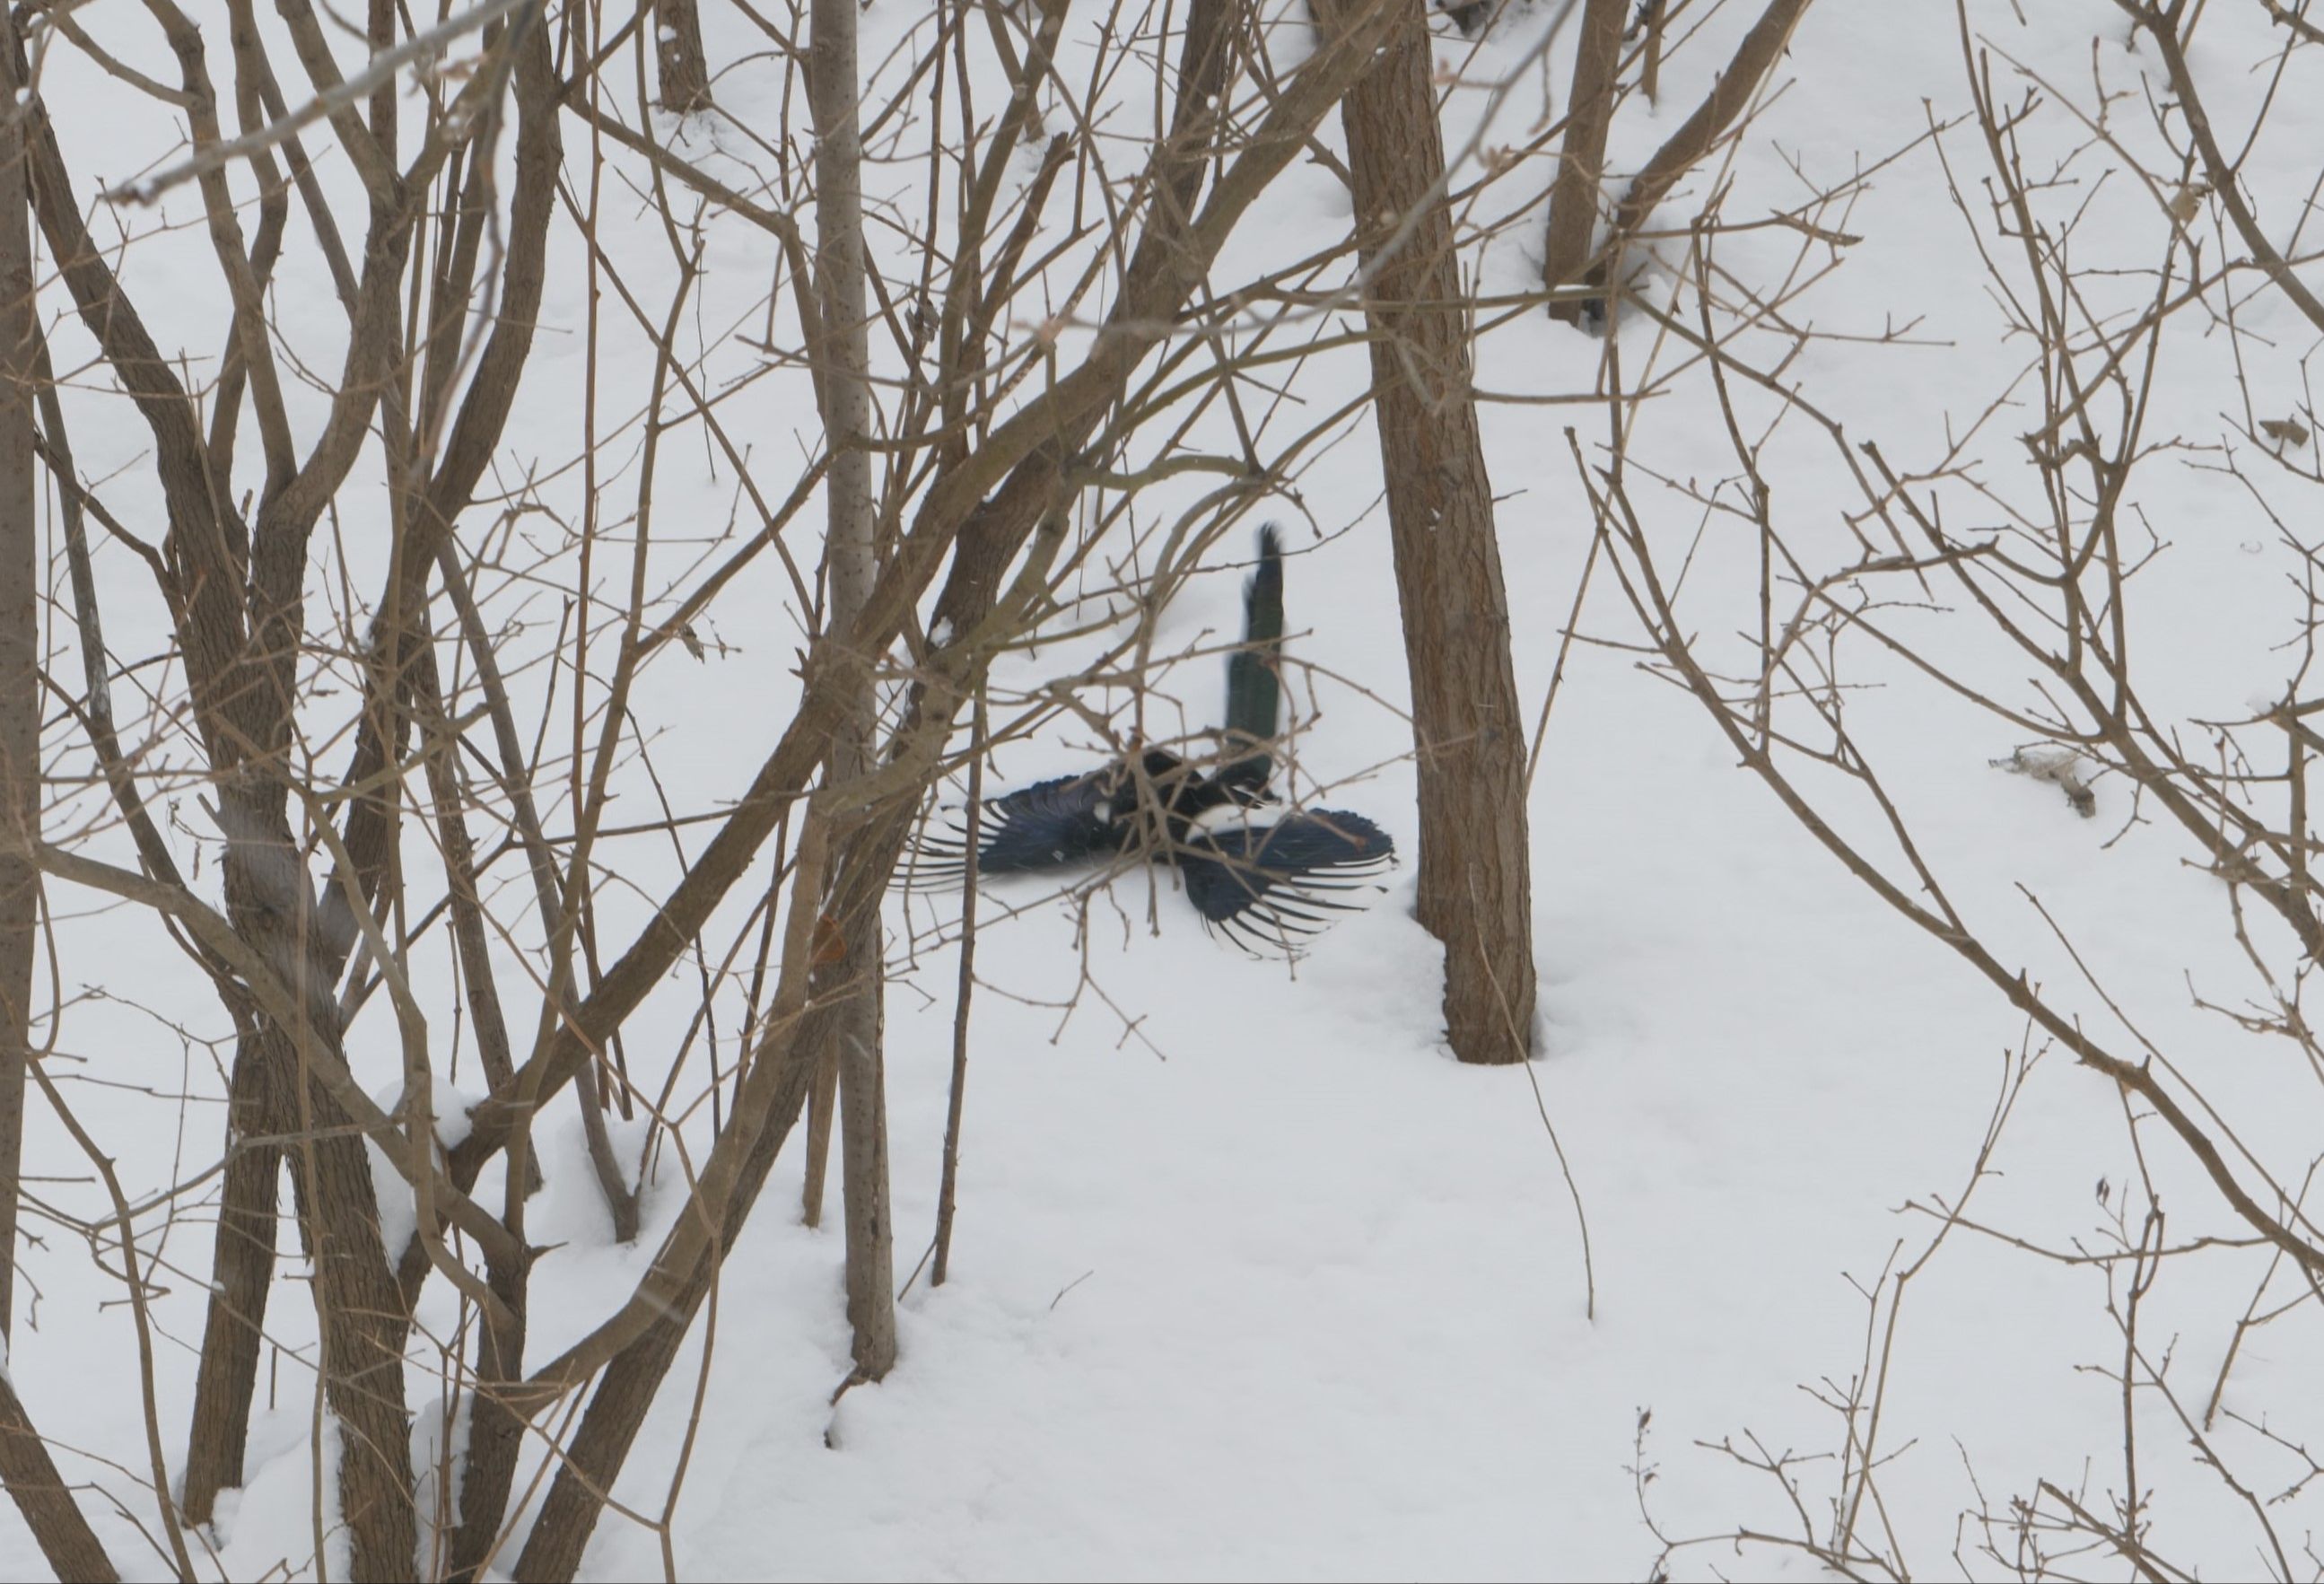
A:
(1251, 1278)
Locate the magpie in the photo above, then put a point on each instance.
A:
(1265, 876)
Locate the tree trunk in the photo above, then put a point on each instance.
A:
(495, 1430)
(851, 569)
(20, 676)
(242, 1273)
(362, 1312)
(1761, 47)
(1475, 892)
(822, 1105)
(677, 50)
(48, 1510)
(1582, 156)
(1650, 66)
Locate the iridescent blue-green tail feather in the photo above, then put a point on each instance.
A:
(1254, 672)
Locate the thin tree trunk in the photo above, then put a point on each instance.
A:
(48, 1510)
(677, 50)
(864, 1162)
(1475, 890)
(20, 675)
(949, 1181)
(244, 1239)
(496, 1430)
(243, 1249)
(362, 1319)
(775, 1089)
(1730, 96)
(1650, 68)
(822, 1105)
(832, 89)
(1582, 156)
(242, 1273)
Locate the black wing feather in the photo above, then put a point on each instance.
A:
(1274, 882)
(1051, 825)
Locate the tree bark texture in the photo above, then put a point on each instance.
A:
(852, 564)
(495, 1430)
(677, 53)
(822, 1105)
(20, 676)
(50, 1512)
(1729, 97)
(1475, 889)
(242, 1273)
(363, 1316)
(1582, 156)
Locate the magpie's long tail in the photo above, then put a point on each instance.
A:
(1254, 673)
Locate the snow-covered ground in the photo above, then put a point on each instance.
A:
(1250, 1277)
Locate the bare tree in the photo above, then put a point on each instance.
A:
(1475, 860)
(390, 747)
(1994, 566)
(238, 586)
(406, 635)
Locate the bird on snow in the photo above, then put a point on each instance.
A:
(1268, 877)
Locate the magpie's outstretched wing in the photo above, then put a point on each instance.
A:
(1269, 887)
(1050, 825)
